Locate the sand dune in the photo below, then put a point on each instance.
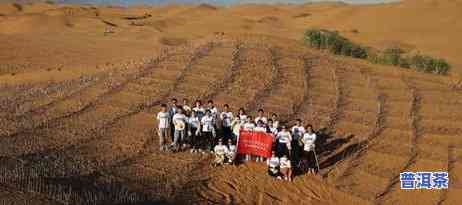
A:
(79, 86)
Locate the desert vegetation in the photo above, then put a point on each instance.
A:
(339, 45)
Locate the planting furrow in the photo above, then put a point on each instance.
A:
(286, 96)
(111, 108)
(251, 80)
(391, 188)
(272, 85)
(351, 156)
(79, 102)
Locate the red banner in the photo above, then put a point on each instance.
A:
(255, 143)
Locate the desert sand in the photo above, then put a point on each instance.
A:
(80, 85)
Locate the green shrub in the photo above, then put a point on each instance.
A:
(334, 42)
(339, 45)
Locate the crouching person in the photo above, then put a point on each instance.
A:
(286, 167)
(273, 165)
(232, 152)
(220, 151)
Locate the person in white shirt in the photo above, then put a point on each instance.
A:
(261, 127)
(309, 140)
(242, 115)
(286, 167)
(273, 165)
(284, 138)
(297, 133)
(261, 117)
(274, 117)
(227, 118)
(163, 117)
(198, 109)
(249, 125)
(208, 129)
(232, 152)
(179, 122)
(194, 125)
(220, 152)
(186, 107)
(213, 111)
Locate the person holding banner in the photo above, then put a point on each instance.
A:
(308, 140)
(284, 138)
(226, 118)
(286, 167)
(220, 151)
(208, 130)
(248, 126)
(273, 165)
(261, 117)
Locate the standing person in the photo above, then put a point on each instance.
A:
(213, 110)
(186, 107)
(194, 125)
(232, 152)
(248, 126)
(286, 168)
(273, 165)
(261, 117)
(163, 117)
(226, 118)
(309, 140)
(297, 133)
(273, 131)
(261, 127)
(236, 125)
(199, 109)
(283, 141)
(242, 115)
(172, 111)
(179, 121)
(208, 130)
(220, 152)
(274, 117)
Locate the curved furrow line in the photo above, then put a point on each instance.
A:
(63, 160)
(415, 135)
(230, 76)
(300, 108)
(86, 107)
(339, 95)
(95, 130)
(450, 169)
(217, 87)
(273, 83)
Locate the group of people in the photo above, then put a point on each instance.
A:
(204, 129)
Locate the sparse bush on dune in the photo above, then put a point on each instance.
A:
(339, 45)
(18, 6)
(334, 42)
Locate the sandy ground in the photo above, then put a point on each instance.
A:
(80, 84)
